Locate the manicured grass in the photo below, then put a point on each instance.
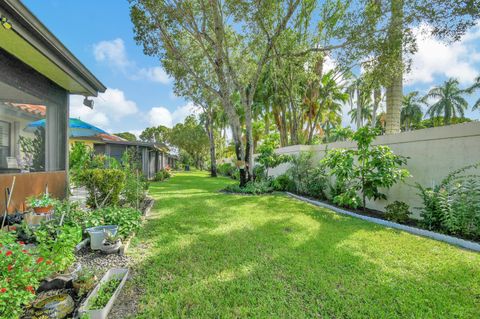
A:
(205, 254)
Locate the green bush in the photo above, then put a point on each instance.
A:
(316, 182)
(301, 165)
(136, 185)
(453, 206)
(162, 175)
(283, 183)
(397, 212)
(364, 170)
(127, 219)
(104, 186)
(227, 169)
(253, 188)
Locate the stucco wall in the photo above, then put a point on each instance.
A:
(433, 154)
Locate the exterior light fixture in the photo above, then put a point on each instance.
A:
(87, 102)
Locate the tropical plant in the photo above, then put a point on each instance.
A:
(453, 206)
(127, 219)
(397, 212)
(267, 156)
(299, 170)
(283, 183)
(252, 188)
(411, 113)
(365, 170)
(449, 101)
(473, 88)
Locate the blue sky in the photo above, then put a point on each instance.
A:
(140, 94)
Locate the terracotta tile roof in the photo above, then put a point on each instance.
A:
(39, 110)
(110, 137)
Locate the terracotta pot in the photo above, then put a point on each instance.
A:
(43, 210)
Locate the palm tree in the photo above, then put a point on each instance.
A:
(411, 110)
(365, 113)
(470, 90)
(449, 101)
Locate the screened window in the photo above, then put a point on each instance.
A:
(4, 143)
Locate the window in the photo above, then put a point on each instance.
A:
(4, 143)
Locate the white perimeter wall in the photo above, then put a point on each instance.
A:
(433, 153)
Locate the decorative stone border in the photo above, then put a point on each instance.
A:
(412, 230)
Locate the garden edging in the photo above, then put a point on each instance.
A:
(412, 230)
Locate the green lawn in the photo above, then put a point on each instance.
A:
(205, 254)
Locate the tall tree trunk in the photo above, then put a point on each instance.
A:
(211, 138)
(377, 97)
(395, 86)
(359, 109)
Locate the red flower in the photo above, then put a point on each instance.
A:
(31, 289)
(10, 267)
(21, 243)
(49, 262)
(8, 253)
(3, 290)
(24, 251)
(39, 260)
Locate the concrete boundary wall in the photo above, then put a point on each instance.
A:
(433, 153)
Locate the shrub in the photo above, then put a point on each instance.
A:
(128, 219)
(227, 169)
(136, 185)
(283, 183)
(104, 186)
(253, 188)
(364, 170)
(267, 157)
(397, 212)
(20, 274)
(316, 182)
(162, 175)
(453, 206)
(299, 171)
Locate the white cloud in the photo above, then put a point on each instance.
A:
(109, 108)
(155, 74)
(436, 58)
(162, 116)
(114, 54)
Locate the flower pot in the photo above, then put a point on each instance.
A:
(86, 286)
(43, 210)
(97, 235)
(121, 273)
(111, 248)
(54, 307)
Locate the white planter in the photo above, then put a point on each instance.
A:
(103, 313)
(97, 235)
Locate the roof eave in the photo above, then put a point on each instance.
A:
(32, 30)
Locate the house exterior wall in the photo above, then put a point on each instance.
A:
(433, 153)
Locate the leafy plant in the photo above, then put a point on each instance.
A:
(20, 274)
(162, 175)
(128, 219)
(43, 200)
(363, 170)
(136, 185)
(283, 182)
(453, 206)
(57, 243)
(227, 169)
(105, 292)
(33, 150)
(299, 170)
(397, 212)
(104, 186)
(268, 158)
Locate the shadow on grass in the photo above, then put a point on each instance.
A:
(211, 255)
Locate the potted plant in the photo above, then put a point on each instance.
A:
(84, 282)
(111, 244)
(42, 204)
(97, 235)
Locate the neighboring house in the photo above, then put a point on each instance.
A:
(37, 75)
(155, 156)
